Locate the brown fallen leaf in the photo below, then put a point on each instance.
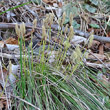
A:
(60, 4)
(101, 57)
(50, 2)
(95, 43)
(57, 40)
(3, 103)
(1, 44)
(101, 49)
(11, 40)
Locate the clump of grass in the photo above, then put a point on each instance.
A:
(48, 88)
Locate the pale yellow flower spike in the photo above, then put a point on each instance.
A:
(71, 18)
(10, 67)
(35, 23)
(76, 55)
(78, 51)
(46, 21)
(59, 21)
(71, 33)
(63, 19)
(51, 18)
(44, 34)
(91, 40)
(22, 29)
(66, 29)
(17, 30)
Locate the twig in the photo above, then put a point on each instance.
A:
(56, 27)
(107, 66)
(9, 56)
(94, 65)
(86, 35)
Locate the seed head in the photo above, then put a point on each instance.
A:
(63, 19)
(67, 44)
(51, 18)
(44, 34)
(34, 23)
(71, 18)
(76, 55)
(71, 33)
(66, 29)
(90, 40)
(22, 29)
(17, 30)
